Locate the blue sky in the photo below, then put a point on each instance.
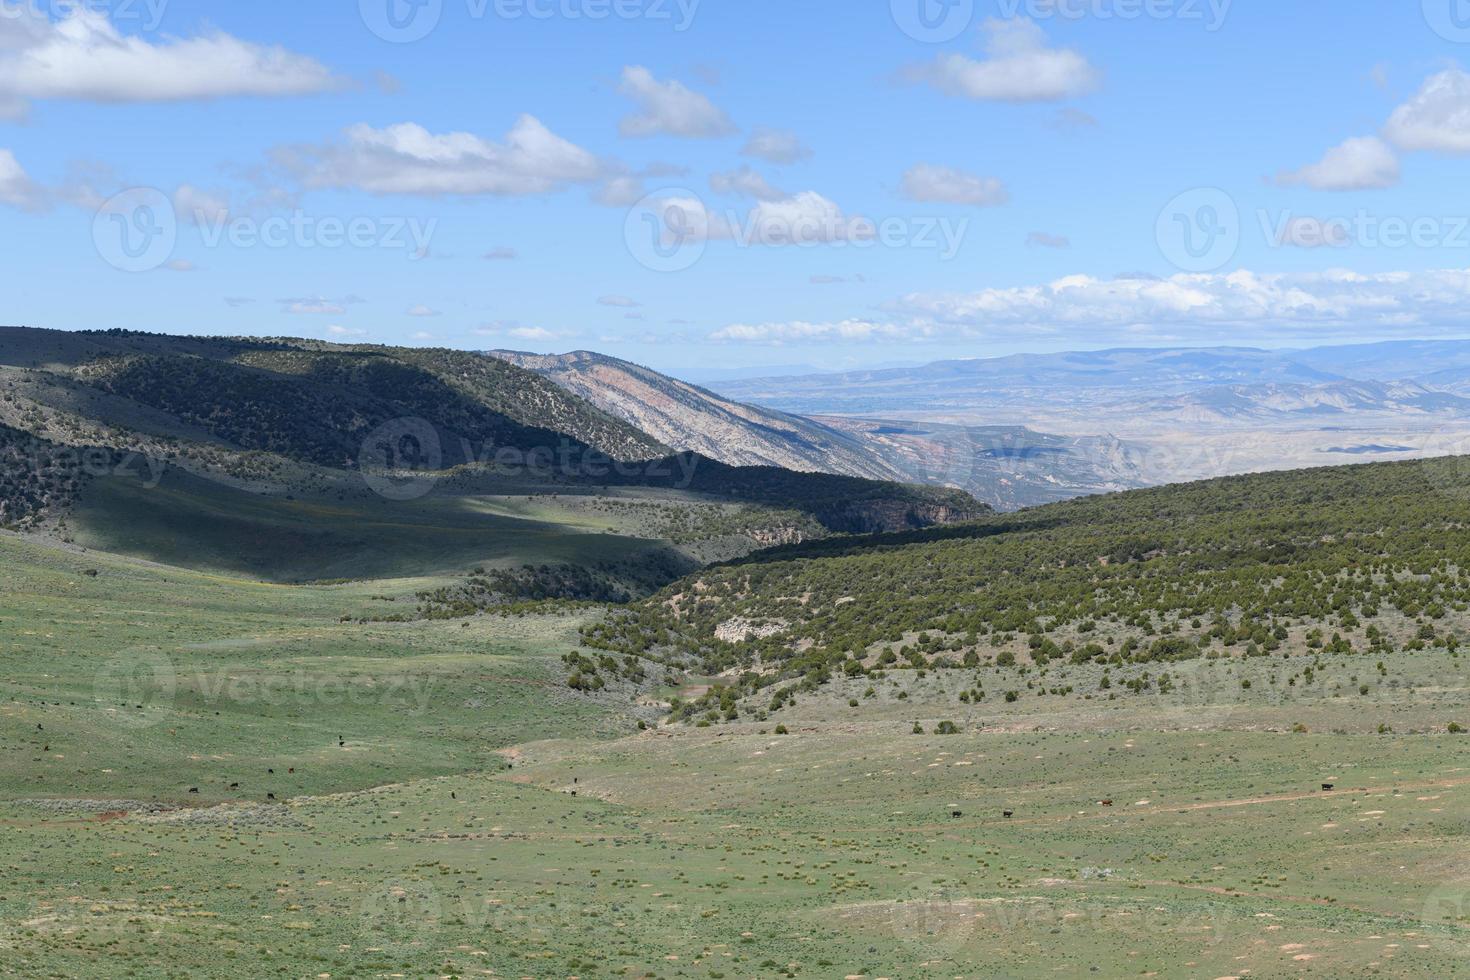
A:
(823, 187)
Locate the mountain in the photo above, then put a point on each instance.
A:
(1006, 467)
(284, 459)
(1045, 378)
(694, 419)
(1281, 402)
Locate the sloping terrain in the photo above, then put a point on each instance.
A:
(1323, 564)
(696, 420)
(1004, 466)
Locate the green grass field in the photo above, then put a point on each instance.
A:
(483, 820)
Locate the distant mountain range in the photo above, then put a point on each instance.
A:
(1114, 375)
(1004, 466)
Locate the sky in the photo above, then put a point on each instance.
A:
(707, 185)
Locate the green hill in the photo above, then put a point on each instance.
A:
(1324, 563)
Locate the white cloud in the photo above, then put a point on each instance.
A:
(1020, 68)
(1364, 163)
(1184, 307)
(625, 302)
(83, 56)
(746, 183)
(16, 187)
(621, 191)
(803, 332)
(531, 333)
(421, 310)
(408, 159)
(1437, 118)
(669, 108)
(775, 146)
(200, 207)
(312, 307)
(337, 330)
(1042, 239)
(806, 218)
(1243, 298)
(945, 185)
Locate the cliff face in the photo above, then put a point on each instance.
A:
(693, 419)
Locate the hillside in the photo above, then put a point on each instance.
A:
(1005, 467)
(694, 419)
(1314, 565)
(293, 461)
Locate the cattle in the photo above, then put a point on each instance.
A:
(1107, 802)
(234, 786)
(1008, 814)
(1328, 787)
(955, 814)
(194, 789)
(270, 796)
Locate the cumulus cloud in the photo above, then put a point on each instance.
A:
(1182, 307)
(1020, 67)
(669, 108)
(1365, 163)
(778, 146)
(408, 159)
(746, 183)
(1242, 298)
(806, 218)
(16, 187)
(1437, 118)
(945, 185)
(83, 56)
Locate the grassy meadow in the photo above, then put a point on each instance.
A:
(445, 806)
